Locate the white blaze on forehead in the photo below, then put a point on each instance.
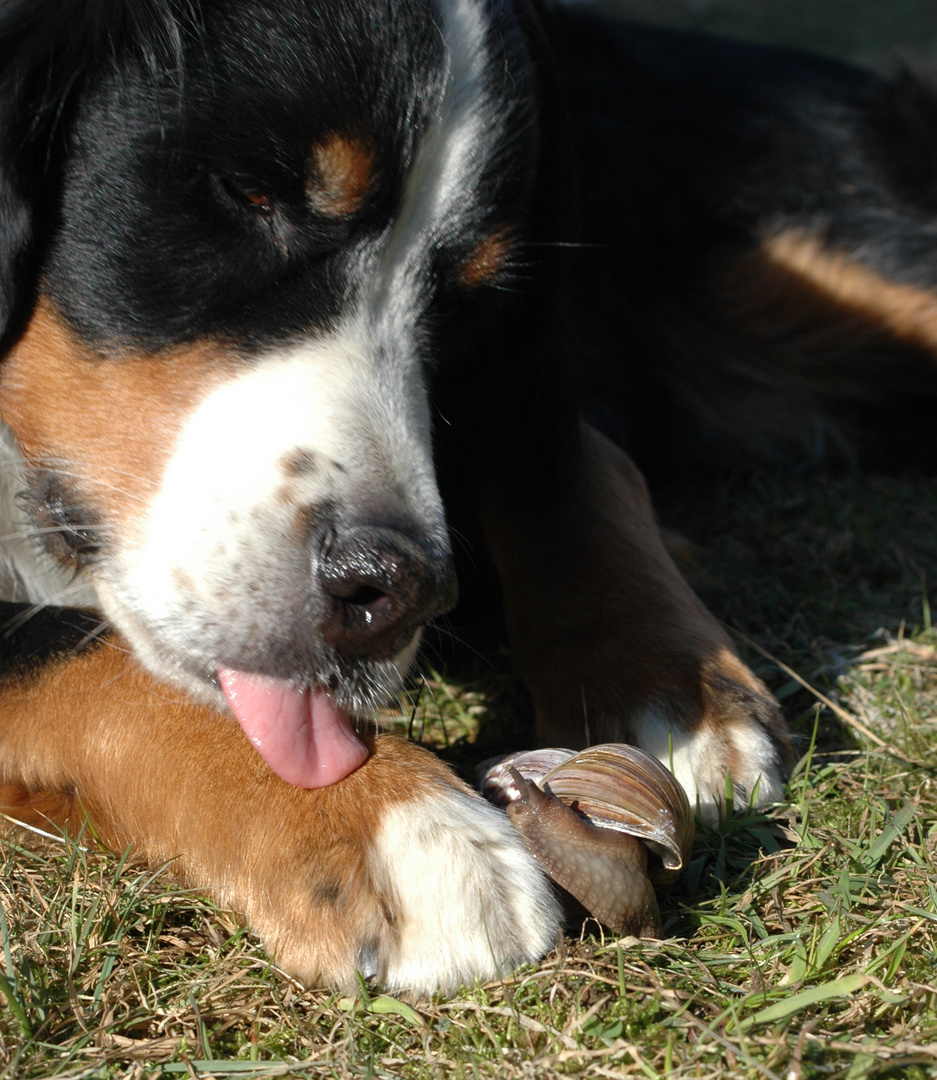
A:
(450, 158)
(443, 182)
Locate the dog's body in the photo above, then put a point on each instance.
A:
(276, 274)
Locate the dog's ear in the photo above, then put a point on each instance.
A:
(48, 51)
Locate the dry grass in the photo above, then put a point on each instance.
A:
(802, 944)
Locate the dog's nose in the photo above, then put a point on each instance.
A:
(382, 585)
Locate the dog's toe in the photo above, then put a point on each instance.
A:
(736, 742)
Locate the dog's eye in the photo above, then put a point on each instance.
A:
(248, 195)
(68, 535)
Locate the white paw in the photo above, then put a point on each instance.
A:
(702, 759)
(468, 901)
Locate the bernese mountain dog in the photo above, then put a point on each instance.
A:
(293, 294)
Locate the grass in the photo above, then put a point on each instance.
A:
(803, 942)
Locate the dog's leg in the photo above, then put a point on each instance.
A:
(399, 871)
(614, 644)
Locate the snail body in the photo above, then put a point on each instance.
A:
(604, 869)
(590, 820)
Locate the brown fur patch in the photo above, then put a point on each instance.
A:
(110, 422)
(791, 273)
(299, 462)
(488, 259)
(340, 175)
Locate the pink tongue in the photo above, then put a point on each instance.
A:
(301, 734)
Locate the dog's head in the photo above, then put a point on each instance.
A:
(228, 230)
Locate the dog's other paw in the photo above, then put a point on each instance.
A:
(618, 648)
(402, 874)
(736, 740)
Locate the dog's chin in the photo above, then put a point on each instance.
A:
(359, 685)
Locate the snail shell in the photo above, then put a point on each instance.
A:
(589, 818)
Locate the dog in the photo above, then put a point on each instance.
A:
(281, 281)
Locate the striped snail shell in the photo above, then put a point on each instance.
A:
(590, 818)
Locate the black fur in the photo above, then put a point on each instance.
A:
(690, 150)
(153, 242)
(31, 639)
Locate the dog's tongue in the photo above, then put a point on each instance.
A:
(300, 733)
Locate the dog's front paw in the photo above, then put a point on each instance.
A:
(734, 739)
(402, 874)
(467, 899)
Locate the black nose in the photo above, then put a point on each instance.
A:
(381, 584)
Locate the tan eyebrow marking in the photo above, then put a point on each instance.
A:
(340, 174)
(488, 259)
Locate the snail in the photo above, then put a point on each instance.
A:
(590, 819)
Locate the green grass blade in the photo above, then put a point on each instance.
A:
(781, 1010)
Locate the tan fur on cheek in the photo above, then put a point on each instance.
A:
(110, 422)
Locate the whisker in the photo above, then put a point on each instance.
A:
(416, 705)
(103, 481)
(569, 244)
(34, 533)
(92, 635)
(19, 620)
